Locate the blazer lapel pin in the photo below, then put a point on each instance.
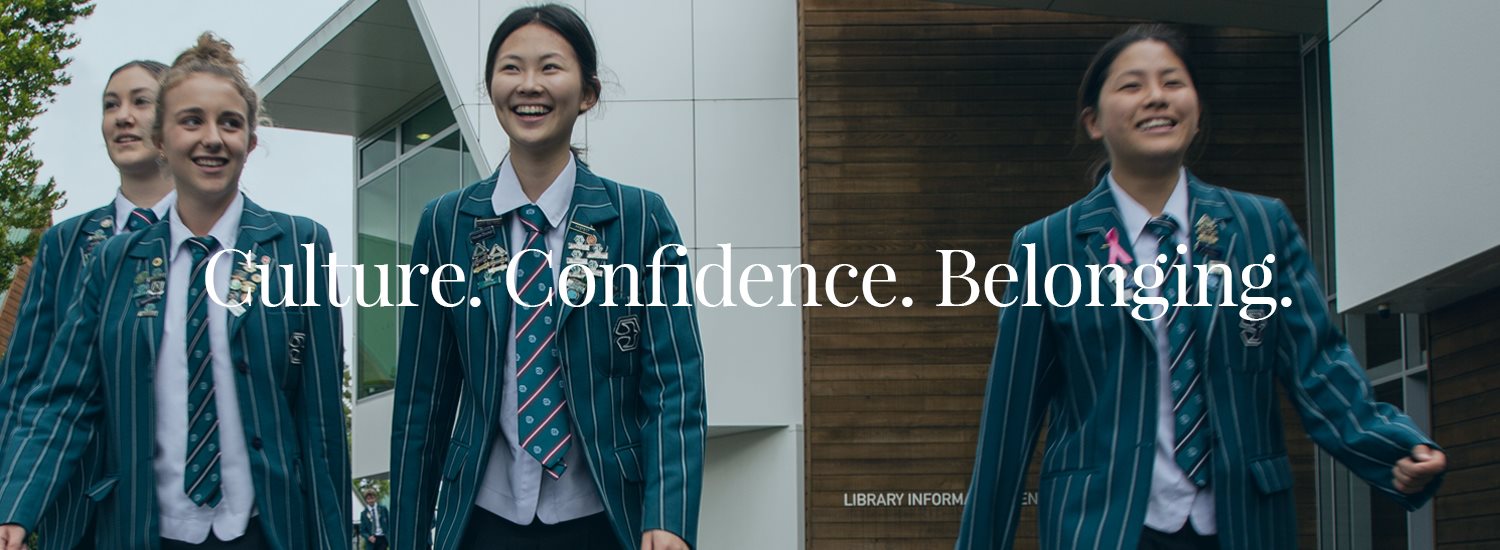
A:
(150, 287)
(1117, 254)
(584, 249)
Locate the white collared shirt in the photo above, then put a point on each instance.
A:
(514, 486)
(123, 208)
(181, 519)
(1174, 498)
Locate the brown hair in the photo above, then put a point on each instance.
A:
(215, 56)
(156, 68)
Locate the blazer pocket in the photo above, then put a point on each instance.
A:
(458, 453)
(1272, 474)
(630, 461)
(102, 489)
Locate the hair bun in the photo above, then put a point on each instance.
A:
(211, 50)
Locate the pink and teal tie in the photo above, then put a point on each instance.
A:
(542, 416)
(139, 219)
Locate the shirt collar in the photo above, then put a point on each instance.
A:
(1134, 216)
(554, 201)
(123, 206)
(226, 230)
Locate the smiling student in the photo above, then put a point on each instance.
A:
(548, 426)
(222, 426)
(1167, 434)
(143, 197)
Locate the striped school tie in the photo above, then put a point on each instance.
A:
(1189, 408)
(201, 478)
(139, 219)
(542, 417)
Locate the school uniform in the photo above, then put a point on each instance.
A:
(1101, 377)
(374, 521)
(56, 269)
(147, 362)
(626, 448)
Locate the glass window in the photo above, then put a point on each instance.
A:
(377, 326)
(425, 176)
(377, 153)
(425, 125)
(1382, 339)
(1387, 519)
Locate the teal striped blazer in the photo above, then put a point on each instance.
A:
(54, 280)
(635, 374)
(1091, 372)
(98, 380)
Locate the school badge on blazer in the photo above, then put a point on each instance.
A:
(628, 333)
(1252, 332)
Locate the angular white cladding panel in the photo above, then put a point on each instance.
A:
(1414, 183)
(638, 68)
(1341, 13)
(745, 49)
(752, 491)
(747, 173)
(662, 162)
(371, 452)
(752, 356)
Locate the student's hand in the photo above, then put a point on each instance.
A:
(372, 539)
(12, 537)
(655, 539)
(1413, 472)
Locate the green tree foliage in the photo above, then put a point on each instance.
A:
(33, 37)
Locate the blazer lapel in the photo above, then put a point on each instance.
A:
(585, 241)
(1097, 216)
(148, 298)
(1215, 235)
(257, 231)
(478, 225)
(98, 226)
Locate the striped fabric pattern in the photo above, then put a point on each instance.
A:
(636, 399)
(201, 480)
(542, 415)
(1088, 370)
(97, 381)
(55, 274)
(1193, 447)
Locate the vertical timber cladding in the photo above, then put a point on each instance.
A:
(930, 126)
(1465, 374)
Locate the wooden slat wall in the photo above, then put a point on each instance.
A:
(931, 126)
(1465, 369)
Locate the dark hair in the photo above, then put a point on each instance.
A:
(1094, 76)
(215, 56)
(156, 68)
(565, 22)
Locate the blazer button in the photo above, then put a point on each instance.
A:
(255, 442)
(242, 368)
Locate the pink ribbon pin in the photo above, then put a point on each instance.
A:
(1117, 254)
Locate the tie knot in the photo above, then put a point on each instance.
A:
(533, 218)
(1162, 226)
(140, 218)
(201, 247)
